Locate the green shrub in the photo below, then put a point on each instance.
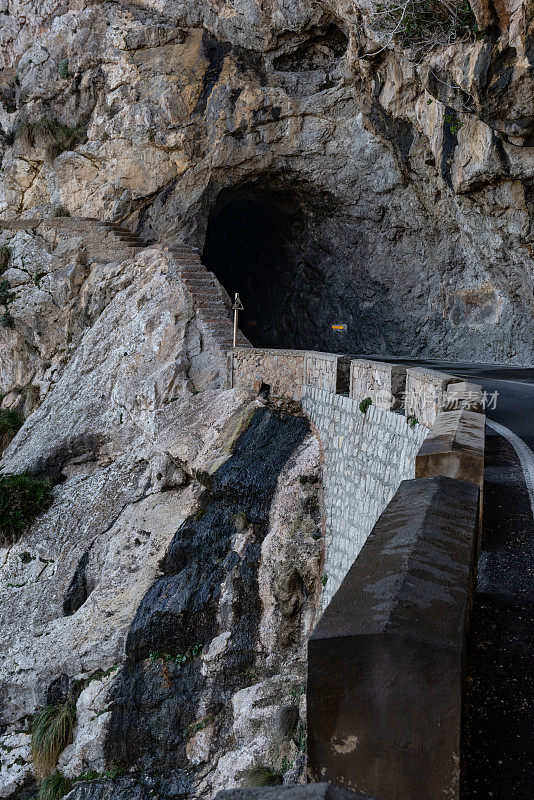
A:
(54, 787)
(22, 498)
(10, 421)
(412, 421)
(51, 733)
(61, 211)
(423, 25)
(364, 405)
(5, 257)
(262, 776)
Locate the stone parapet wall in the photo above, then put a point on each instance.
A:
(385, 662)
(454, 447)
(282, 370)
(366, 456)
(287, 371)
(384, 383)
(426, 394)
(321, 370)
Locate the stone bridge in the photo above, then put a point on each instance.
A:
(403, 465)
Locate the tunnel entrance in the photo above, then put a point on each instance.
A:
(272, 243)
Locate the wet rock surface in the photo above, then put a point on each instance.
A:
(209, 587)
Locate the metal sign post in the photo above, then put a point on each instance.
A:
(237, 307)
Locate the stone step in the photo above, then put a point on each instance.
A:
(192, 270)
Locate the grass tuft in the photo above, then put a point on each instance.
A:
(262, 776)
(54, 787)
(22, 498)
(51, 733)
(54, 134)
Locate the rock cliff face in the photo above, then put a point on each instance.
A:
(332, 166)
(331, 169)
(170, 588)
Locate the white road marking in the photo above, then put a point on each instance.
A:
(525, 454)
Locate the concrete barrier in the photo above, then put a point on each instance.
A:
(309, 791)
(425, 394)
(384, 383)
(454, 447)
(464, 395)
(385, 661)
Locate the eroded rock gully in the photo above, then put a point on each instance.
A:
(390, 192)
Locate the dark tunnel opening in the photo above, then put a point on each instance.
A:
(274, 245)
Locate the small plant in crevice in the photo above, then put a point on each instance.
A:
(54, 787)
(453, 123)
(364, 405)
(38, 276)
(195, 727)
(51, 732)
(297, 691)
(113, 772)
(301, 737)
(22, 499)
(61, 211)
(262, 776)
(324, 579)
(63, 68)
(412, 421)
(5, 257)
(6, 298)
(89, 777)
(178, 659)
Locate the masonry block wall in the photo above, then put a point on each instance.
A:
(366, 456)
(287, 371)
(384, 383)
(282, 370)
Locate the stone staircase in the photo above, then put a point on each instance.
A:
(106, 240)
(209, 298)
(212, 304)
